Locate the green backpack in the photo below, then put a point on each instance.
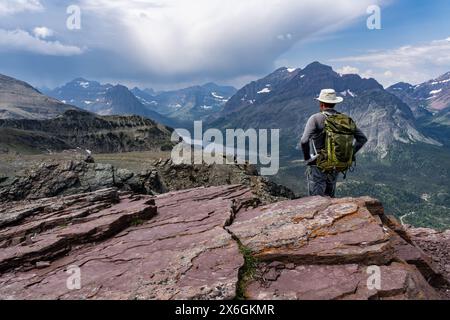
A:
(339, 135)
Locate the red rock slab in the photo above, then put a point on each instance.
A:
(53, 233)
(332, 282)
(183, 252)
(314, 230)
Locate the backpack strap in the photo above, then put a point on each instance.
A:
(328, 114)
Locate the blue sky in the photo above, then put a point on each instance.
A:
(173, 43)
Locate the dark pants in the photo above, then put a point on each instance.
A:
(321, 183)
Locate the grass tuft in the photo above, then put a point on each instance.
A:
(247, 271)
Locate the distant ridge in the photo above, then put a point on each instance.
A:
(85, 130)
(19, 100)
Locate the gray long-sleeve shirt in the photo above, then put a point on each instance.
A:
(314, 130)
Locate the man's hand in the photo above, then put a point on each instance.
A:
(310, 161)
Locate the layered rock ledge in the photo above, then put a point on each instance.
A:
(210, 243)
(321, 248)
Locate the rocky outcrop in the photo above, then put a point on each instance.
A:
(55, 178)
(185, 176)
(209, 243)
(315, 230)
(318, 248)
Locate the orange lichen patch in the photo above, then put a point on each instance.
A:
(297, 220)
(281, 250)
(340, 224)
(307, 215)
(266, 251)
(320, 232)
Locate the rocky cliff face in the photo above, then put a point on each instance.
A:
(436, 244)
(208, 243)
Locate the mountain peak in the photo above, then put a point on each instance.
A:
(82, 82)
(121, 92)
(400, 86)
(210, 84)
(317, 67)
(79, 79)
(119, 87)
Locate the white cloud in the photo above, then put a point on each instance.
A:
(412, 63)
(8, 7)
(230, 38)
(388, 74)
(348, 70)
(20, 40)
(42, 32)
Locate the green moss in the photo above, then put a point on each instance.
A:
(247, 272)
(137, 222)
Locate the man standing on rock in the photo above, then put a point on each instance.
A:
(329, 143)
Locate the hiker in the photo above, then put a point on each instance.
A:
(329, 143)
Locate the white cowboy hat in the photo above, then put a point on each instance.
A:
(329, 96)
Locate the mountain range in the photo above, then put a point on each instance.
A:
(285, 100)
(173, 108)
(188, 104)
(430, 103)
(105, 99)
(432, 95)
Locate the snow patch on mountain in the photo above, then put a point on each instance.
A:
(433, 92)
(215, 95)
(440, 82)
(348, 92)
(265, 90)
(84, 84)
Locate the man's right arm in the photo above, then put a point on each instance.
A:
(360, 140)
(307, 135)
